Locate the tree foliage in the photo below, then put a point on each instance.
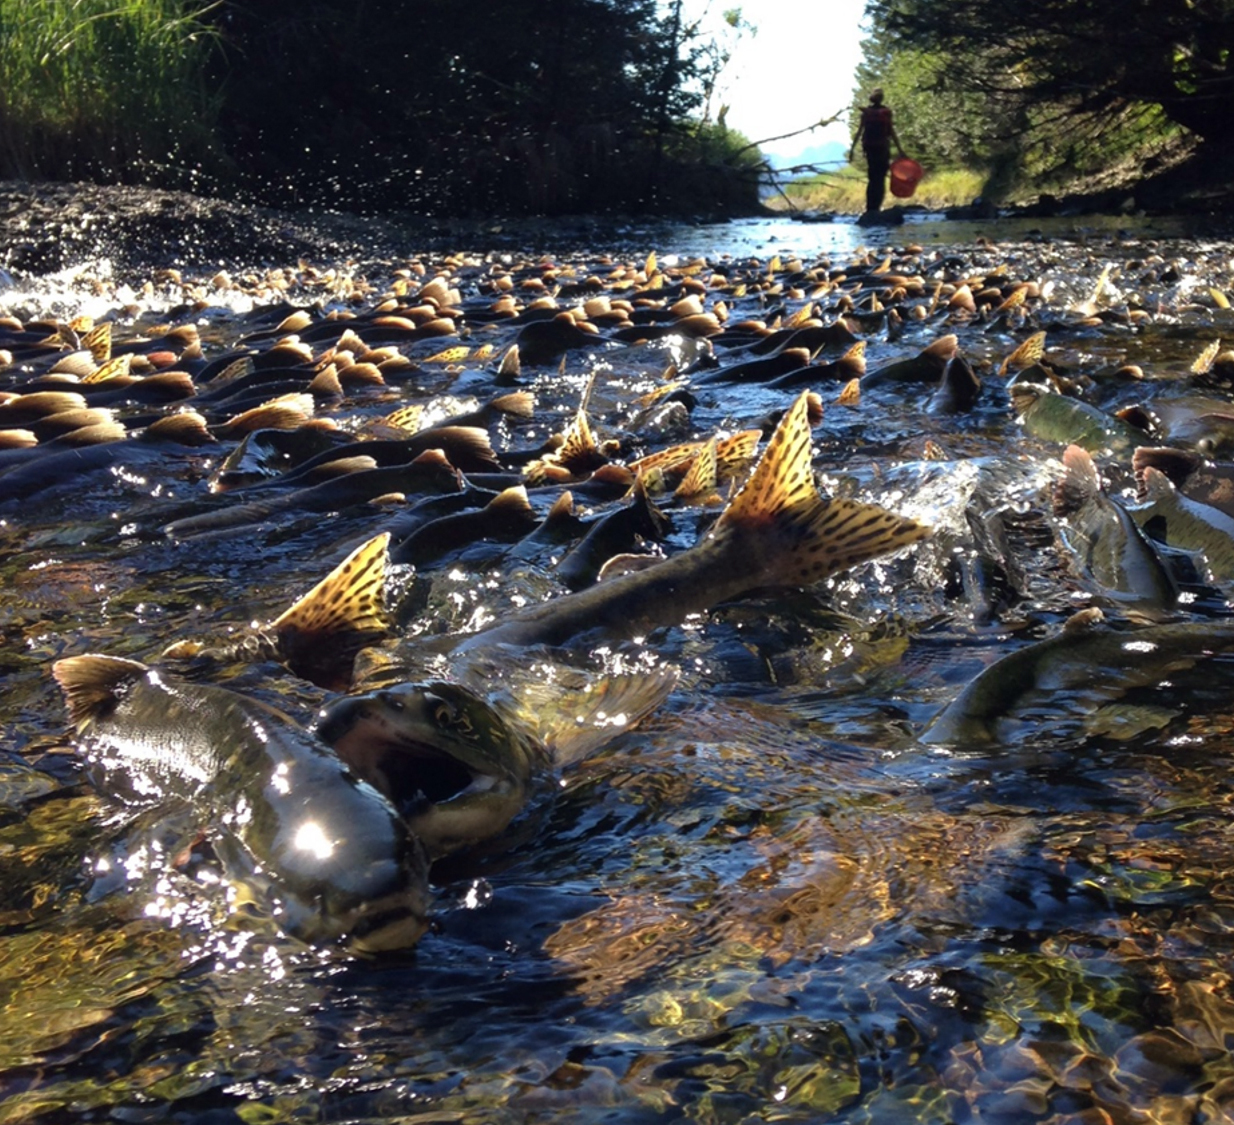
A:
(931, 118)
(1052, 90)
(491, 107)
(1089, 54)
(564, 105)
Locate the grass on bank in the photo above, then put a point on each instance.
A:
(106, 89)
(844, 191)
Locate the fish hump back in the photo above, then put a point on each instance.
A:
(92, 682)
(1079, 484)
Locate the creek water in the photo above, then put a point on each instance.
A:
(777, 899)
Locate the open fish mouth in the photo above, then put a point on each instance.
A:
(438, 753)
(365, 732)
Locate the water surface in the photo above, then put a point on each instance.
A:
(773, 901)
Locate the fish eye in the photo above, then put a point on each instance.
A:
(443, 713)
(447, 716)
(392, 701)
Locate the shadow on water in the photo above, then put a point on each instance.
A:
(780, 897)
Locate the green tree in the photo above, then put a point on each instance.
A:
(564, 105)
(933, 119)
(1045, 91)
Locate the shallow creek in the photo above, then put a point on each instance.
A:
(776, 899)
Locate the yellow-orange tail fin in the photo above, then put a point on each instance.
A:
(802, 537)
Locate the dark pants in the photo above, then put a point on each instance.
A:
(878, 160)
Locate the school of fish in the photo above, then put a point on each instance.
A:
(639, 438)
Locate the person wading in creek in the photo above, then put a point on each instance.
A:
(876, 131)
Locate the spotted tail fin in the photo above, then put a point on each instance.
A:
(345, 610)
(801, 537)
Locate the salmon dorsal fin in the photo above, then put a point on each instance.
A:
(511, 502)
(470, 442)
(326, 382)
(510, 367)
(943, 348)
(562, 509)
(18, 439)
(517, 404)
(855, 358)
(1177, 464)
(90, 683)
(803, 537)
(98, 434)
(186, 428)
(347, 604)
(1156, 485)
(283, 413)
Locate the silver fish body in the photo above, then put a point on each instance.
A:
(1063, 680)
(325, 850)
(1107, 544)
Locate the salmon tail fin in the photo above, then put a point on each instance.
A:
(579, 450)
(1029, 352)
(345, 610)
(802, 537)
(735, 453)
(90, 683)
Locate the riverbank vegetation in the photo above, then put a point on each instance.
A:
(109, 90)
(572, 106)
(568, 105)
(1056, 96)
(844, 191)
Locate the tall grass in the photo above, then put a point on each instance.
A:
(105, 89)
(844, 191)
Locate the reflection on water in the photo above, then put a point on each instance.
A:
(842, 236)
(773, 901)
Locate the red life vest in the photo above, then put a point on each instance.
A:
(876, 127)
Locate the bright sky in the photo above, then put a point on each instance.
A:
(798, 68)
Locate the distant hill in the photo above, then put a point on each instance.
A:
(830, 154)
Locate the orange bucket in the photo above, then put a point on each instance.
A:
(905, 176)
